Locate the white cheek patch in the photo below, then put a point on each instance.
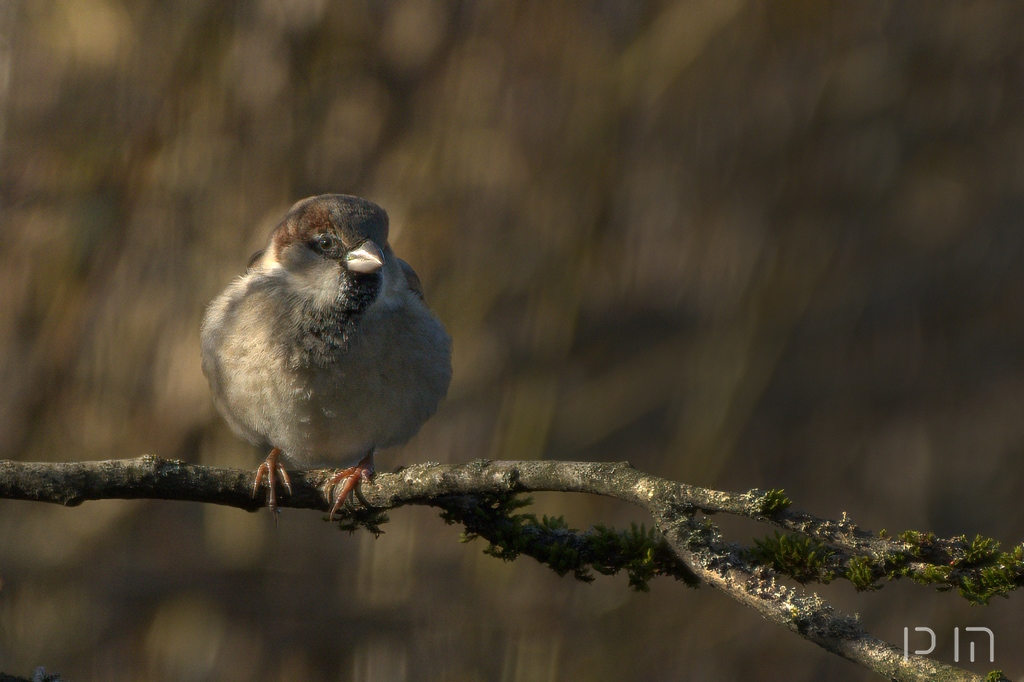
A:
(319, 281)
(305, 273)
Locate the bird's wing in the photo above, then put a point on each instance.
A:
(412, 279)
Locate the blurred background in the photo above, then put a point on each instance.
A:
(738, 243)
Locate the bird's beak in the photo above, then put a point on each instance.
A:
(365, 258)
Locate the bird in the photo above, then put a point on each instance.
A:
(325, 349)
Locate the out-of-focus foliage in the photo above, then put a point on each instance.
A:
(742, 244)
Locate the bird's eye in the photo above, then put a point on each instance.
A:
(325, 242)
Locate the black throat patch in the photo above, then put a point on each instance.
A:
(324, 331)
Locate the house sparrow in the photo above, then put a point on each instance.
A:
(324, 350)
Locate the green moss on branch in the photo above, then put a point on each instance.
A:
(642, 553)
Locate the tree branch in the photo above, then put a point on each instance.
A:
(675, 508)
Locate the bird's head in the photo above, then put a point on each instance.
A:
(330, 247)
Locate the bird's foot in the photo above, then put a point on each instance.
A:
(269, 471)
(344, 482)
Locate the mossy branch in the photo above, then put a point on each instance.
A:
(643, 554)
(684, 543)
(976, 569)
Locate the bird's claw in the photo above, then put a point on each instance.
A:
(270, 471)
(341, 485)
